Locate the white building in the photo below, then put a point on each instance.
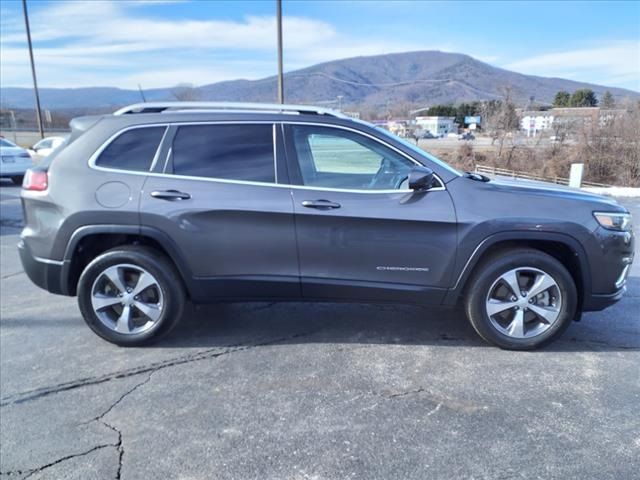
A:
(438, 125)
(534, 122)
(571, 118)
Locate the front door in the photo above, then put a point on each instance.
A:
(218, 201)
(362, 234)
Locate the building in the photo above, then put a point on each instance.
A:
(398, 126)
(437, 125)
(534, 122)
(572, 119)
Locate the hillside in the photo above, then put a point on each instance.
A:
(419, 78)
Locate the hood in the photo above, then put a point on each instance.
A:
(529, 187)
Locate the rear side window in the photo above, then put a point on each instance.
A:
(132, 150)
(230, 152)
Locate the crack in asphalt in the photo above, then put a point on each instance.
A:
(215, 352)
(408, 392)
(32, 471)
(151, 369)
(9, 275)
(437, 401)
(438, 405)
(119, 447)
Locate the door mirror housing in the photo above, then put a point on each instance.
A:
(421, 179)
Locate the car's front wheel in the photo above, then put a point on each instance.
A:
(521, 299)
(131, 295)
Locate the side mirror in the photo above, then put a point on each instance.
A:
(421, 179)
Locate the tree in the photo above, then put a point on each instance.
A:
(562, 99)
(442, 111)
(467, 110)
(185, 92)
(584, 97)
(500, 119)
(607, 100)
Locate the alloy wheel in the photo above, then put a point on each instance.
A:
(524, 302)
(127, 299)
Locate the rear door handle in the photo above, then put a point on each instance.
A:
(171, 195)
(320, 204)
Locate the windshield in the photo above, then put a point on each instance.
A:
(417, 149)
(6, 143)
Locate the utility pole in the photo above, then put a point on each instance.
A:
(280, 77)
(33, 68)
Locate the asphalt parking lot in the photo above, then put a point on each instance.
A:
(310, 391)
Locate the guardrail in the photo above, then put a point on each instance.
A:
(503, 172)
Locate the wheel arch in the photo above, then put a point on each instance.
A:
(565, 248)
(90, 241)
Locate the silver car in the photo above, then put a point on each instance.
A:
(14, 161)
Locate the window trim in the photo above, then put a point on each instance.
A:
(168, 126)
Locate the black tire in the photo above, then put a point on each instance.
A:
(17, 179)
(167, 279)
(491, 269)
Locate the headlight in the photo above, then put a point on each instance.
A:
(620, 222)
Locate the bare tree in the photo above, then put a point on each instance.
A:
(611, 148)
(501, 121)
(186, 92)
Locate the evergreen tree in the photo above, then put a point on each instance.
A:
(585, 97)
(607, 100)
(562, 99)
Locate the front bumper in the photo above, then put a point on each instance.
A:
(46, 274)
(596, 302)
(611, 260)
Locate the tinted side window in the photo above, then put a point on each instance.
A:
(231, 152)
(335, 158)
(132, 150)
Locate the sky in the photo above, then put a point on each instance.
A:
(162, 43)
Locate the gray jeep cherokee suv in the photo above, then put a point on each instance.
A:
(159, 203)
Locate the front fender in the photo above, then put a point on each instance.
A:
(468, 257)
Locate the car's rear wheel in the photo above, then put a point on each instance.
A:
(521, 299)
(17, 179)
(131, 295)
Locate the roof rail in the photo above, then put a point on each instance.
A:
(158, 107)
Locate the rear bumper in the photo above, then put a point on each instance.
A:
(46, 274)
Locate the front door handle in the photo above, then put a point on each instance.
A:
(171, 195)
(320, 204)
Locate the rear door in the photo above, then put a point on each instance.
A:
(217, 198)
(362, 234)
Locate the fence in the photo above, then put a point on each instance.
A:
(503, 172)
(26, 138)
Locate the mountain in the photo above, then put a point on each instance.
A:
(418, 78)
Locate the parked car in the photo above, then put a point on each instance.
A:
(45, 146)
(426, 134)
(14, 161)
(466, 136)
(164, 202)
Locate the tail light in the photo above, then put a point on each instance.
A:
(35, 180)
